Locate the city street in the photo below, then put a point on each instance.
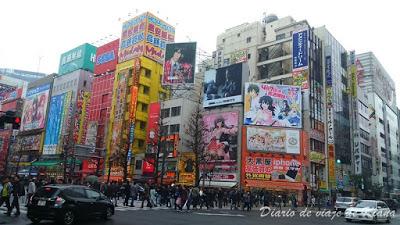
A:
(165, 216)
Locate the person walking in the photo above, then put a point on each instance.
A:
(127, 192)
(146, 196)
(16, 192)
(247, 201)
(31, 190)
(5, 194)
(134, 192)
(195, 197)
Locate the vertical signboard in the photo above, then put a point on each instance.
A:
(153, 127)
(186, 169)
(300, 49)
(59, 106)
(328, 70)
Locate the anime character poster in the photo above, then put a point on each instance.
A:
(273, 140)
(223, 86)
(35, 108)
(179, 63)
(272, 105)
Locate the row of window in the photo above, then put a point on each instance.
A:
(174, 111)
(169, 129)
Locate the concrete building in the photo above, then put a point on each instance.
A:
(381, 93)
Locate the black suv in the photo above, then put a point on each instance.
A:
(68, 203)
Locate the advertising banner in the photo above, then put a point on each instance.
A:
(180, 62)
(158, 34)
(273, 140)
(80, 116)
(81, 57)
(31, 142)
(186, 168)
(272, 105)
(300, 78)
(300, 49)
(106, 57)
(59, 106)
(328, 70)
(317, 157)
(221, 139)
(152, 126)
(331, 165)
(132, 38)
(91, 133)
(239, 56)
(35, 108)
(223, 86)
(149, 165)
(120, 101)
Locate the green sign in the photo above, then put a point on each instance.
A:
(81, 57)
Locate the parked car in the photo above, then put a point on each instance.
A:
(392, 203)
(66, 204)
(369, 210)
(342, 203)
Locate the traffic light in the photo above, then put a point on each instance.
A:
(10, 117)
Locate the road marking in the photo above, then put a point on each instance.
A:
(219, 214)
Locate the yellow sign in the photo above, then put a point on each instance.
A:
(186, 168)
(317, 157)
(353, 77)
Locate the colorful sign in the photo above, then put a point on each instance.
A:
(239, 56)
(272, 105)
(300, 78)
(35, 108)
(186, 168)
(223, 86)
(221, 139)
(59, 106)
(317, 157)
(180, 61)
(120, 102)
(273, 140)
(81, 57)
(328, 70)
(153, 126)
(132, 38)
(331, 165)
(31, 142)
(106, 57)
(158, 34)
(148, 165)
(300, 50)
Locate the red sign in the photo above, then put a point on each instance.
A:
(152, 127)
(148, 164)
(89, 166)
(106, 57)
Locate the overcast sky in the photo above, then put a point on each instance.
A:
(39, 31)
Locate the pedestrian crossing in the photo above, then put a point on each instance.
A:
(138, 208)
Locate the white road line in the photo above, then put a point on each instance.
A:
(219, 214)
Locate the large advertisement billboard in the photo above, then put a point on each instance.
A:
(223, 86)
(273, 140)
(221, 139)
(35, 108)
(300, 49)
(180, 61)
(272, 105)
(106, 57)
(158, 34)
(59, 106)
(132, 38)
(186, 168)
(81, 57)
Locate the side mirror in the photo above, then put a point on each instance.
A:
(379, 207)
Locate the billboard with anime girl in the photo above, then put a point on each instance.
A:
(272, 105)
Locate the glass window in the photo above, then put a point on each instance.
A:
(75, 192)
(92, 194)
(147, 73)
(176, 111)
(164, 130)
(165, 113)
(280, 36)
(146, 90)
(140, 143)
(174, 129)
(104, 98)
(138, 165)
(248, 39)
(142, 125)
(238, 35)
(144, 107)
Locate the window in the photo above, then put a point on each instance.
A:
(138, 165)
(144, 107)
(176, 111)
(142, 125)
(146, 90)
(103, 114)
(248, 56)
(75, 192)
(280, 36)
(140, 143)
(164, 113)
(248, 39)
(92, 194)
(164, 130)
(238, 35)
(223, 41)
(174, 129)
(382, 135)
(104, 98)
(364, 134)
(84, 83)
(147, 73)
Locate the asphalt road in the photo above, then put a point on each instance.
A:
(164, 216)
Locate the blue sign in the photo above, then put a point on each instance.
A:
(328, 70)
(54, 124)
(37, 89)
(105, 57)
(300, 49)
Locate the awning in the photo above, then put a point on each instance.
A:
(54, 162)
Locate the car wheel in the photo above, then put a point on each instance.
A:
(68, 218)
(388, 219)
(348, 220)
(108, 213)
(375, 220)
(35, 220)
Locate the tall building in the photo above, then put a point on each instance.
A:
(137, 83)
(338, 103)
(380, 88)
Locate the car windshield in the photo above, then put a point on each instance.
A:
(343, 199)
(46, 192)
(366, 204)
